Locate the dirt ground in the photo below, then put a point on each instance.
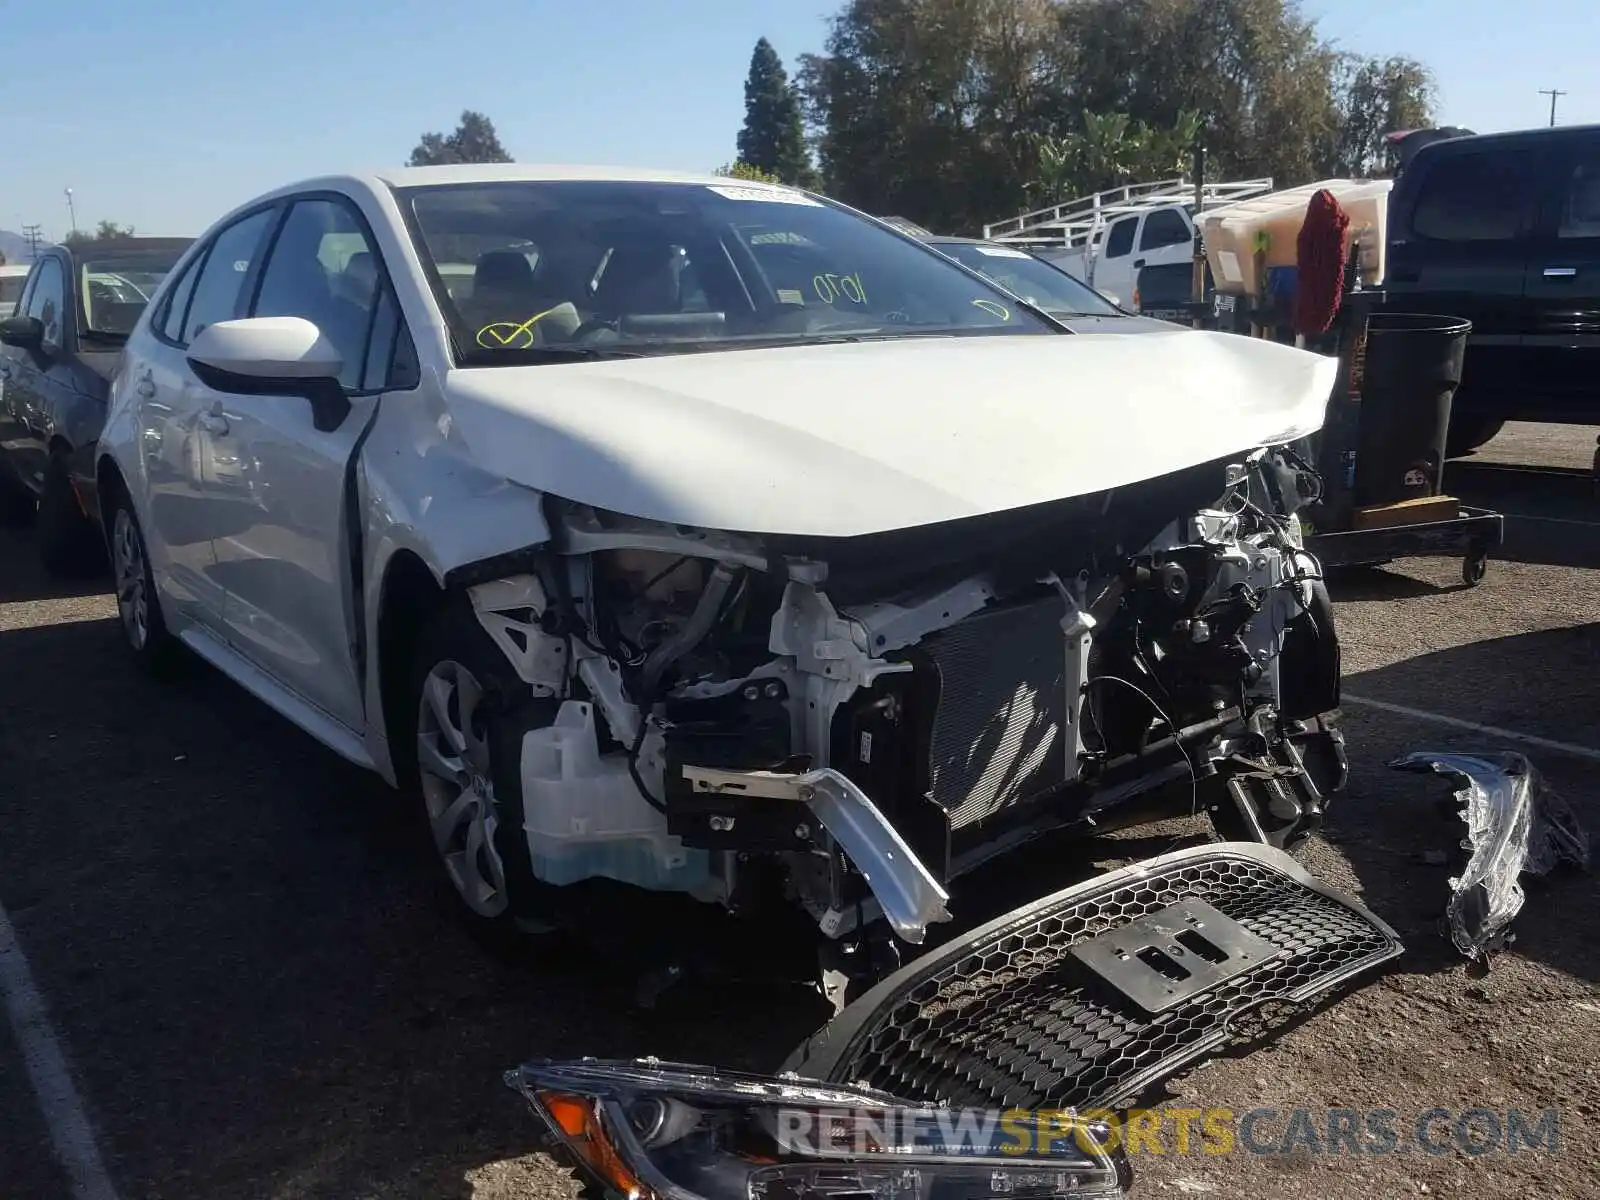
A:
(242, 954)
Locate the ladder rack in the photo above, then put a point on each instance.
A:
(1077, 223)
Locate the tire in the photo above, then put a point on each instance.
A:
(69, 544)
(16, 499)
(154, 649)
(1469, 433)
(465, 703)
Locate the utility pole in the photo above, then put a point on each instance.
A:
(34, 239)
(1553, 93)
(73, 216)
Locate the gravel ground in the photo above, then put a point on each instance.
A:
(239, 941)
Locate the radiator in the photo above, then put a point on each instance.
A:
(1000, 729)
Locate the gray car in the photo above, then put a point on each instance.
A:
(58, 354)
(1046, 286)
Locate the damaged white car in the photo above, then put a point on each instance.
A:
(708, 548)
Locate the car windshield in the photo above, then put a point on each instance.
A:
(1036, 281)
(578, 268)
(116, 287)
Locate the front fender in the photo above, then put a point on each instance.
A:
(421, 494)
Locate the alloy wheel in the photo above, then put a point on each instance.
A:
(458, 787)
(133, 603)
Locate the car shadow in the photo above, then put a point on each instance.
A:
(24, 579)
(244, 944)
(1400, 832)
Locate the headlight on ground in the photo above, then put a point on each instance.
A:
(655, 1131)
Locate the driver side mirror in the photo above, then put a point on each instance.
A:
(273, 356)
(26, 333)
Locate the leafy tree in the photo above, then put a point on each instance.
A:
(773, 138)
(106, 231)
(474, 141)
(743, 170)
(958, 112)
(1378, 97)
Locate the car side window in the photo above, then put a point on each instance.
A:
(1119, 241)
(1473, 198)
(219, 289)
(1580, 199)
(47, 301)
(170, 323)
(1164, 227)
(323, 268)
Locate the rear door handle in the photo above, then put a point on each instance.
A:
(1138, 262)
(1560, 272)
(214, 423)
(146, 387)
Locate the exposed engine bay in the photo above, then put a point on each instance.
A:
(851, 725)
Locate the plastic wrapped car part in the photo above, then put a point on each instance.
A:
(647, 1130)
(1515, 823)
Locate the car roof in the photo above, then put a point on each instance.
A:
(379, 181)
(112, 247)
(1511, 137)
(408, 177)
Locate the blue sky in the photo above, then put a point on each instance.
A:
(164, 114)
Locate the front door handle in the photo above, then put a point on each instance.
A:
(1560, 272)
(214, 423)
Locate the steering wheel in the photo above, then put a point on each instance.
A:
(594, 325)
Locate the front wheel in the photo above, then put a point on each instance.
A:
(468, 713)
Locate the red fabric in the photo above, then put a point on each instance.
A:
(1320, 257)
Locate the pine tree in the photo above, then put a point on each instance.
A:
(773, 139)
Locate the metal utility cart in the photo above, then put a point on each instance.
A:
(1381, 452)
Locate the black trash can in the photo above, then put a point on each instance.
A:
(1409, 378)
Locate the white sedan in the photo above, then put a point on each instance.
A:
(674, 536)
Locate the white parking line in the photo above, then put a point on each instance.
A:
(1493, 731)
(47, 1070)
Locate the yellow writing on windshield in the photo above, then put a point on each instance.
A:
(830, 287)
(511, 335)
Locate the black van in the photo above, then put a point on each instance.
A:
(1504, 229)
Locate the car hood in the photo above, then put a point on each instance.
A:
(842, 440)
(1114, 323)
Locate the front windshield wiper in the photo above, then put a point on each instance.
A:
(554, 353)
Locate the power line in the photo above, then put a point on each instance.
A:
(35, 239)
(1553, 93)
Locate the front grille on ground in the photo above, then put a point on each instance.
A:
(1008, 1016)
(998, 734)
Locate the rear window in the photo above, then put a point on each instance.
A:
(1473, 198)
